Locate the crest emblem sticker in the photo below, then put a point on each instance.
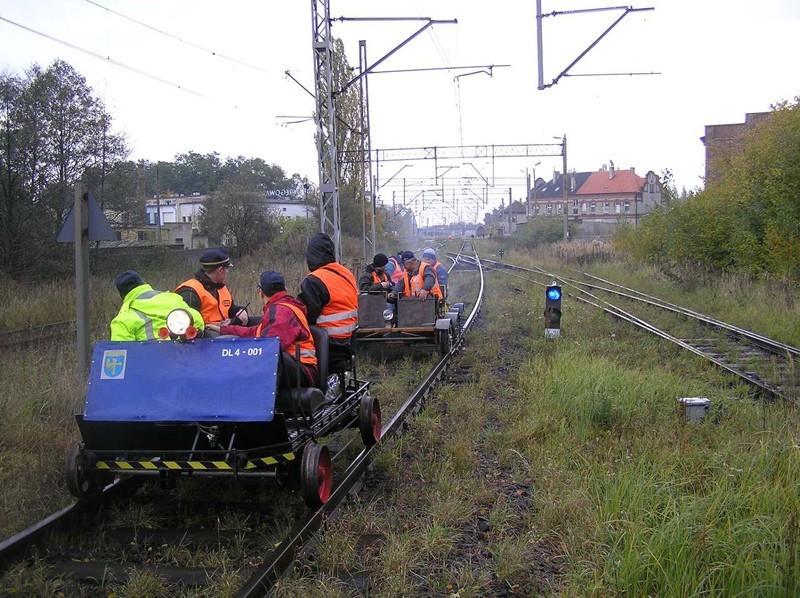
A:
(114, 364)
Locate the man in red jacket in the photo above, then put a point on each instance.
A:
(285, 318)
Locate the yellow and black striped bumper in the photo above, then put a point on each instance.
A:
(159, 465)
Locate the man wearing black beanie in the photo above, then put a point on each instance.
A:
(374, 277)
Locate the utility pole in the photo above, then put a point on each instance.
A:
(81, 232)
(158, 204)
(564, 184)
(527, 194)
(305, 194)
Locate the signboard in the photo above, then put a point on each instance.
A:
(205, 380)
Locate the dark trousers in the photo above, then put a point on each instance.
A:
(290, 371)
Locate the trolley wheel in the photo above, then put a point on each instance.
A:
(444, 341)
(316, 475)
(369, 420)
(78, 483)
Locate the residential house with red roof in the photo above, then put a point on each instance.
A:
(598, 200)
(613, 195)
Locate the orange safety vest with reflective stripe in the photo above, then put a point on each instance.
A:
(418, 281)
(377, 279)
(308, 352)
(212, 310)
(397, 273)
(339, 317)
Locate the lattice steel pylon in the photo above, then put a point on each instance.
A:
(327, 156)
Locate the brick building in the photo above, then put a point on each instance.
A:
(724, 141)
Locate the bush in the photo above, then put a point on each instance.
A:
(747, 222)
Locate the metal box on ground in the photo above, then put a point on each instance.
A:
(694, 409)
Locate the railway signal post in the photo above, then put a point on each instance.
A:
(552, 311)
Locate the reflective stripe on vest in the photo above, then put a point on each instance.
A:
(339, 317)
(210, 308)
(377, 279)
(148, 321)
(308, 353)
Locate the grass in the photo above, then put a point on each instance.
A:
(556, 467)
(573, 459)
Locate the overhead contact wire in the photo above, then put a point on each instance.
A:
(104, 58)
(181, 40)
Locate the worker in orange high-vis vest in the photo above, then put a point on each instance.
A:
(418, 280)
(374, 277)
(285, 318)
(209, 295)
(331, 295)
(395, 267)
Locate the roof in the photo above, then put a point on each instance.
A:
(624, 181)
(552, 189)
(516, 207)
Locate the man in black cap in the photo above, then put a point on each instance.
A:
(285, 318)
(374, 277)
(144, 311)
(208, 294)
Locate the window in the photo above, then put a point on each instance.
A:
(184, 218)
(617, 208)
(605, 207)
(140, 235)
(178, 240)
(594, 208)
(627, 207)
(549, 209)
(584, 207)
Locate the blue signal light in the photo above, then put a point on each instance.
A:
(554, 293)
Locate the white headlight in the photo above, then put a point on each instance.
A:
(179, 321)
(388, 314)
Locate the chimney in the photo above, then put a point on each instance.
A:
(610, 169)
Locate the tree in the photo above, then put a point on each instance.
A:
(55, 134)
(748, 221)
(17, 211)
(239, 211)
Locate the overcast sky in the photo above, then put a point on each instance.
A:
(215, 81)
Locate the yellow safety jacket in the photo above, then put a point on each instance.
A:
(144, 311)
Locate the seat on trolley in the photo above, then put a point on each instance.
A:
(306, 400)
(370, 310)
(413, 313)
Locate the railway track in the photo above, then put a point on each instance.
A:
(767, 365)
(36, 334)
(64, 549)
